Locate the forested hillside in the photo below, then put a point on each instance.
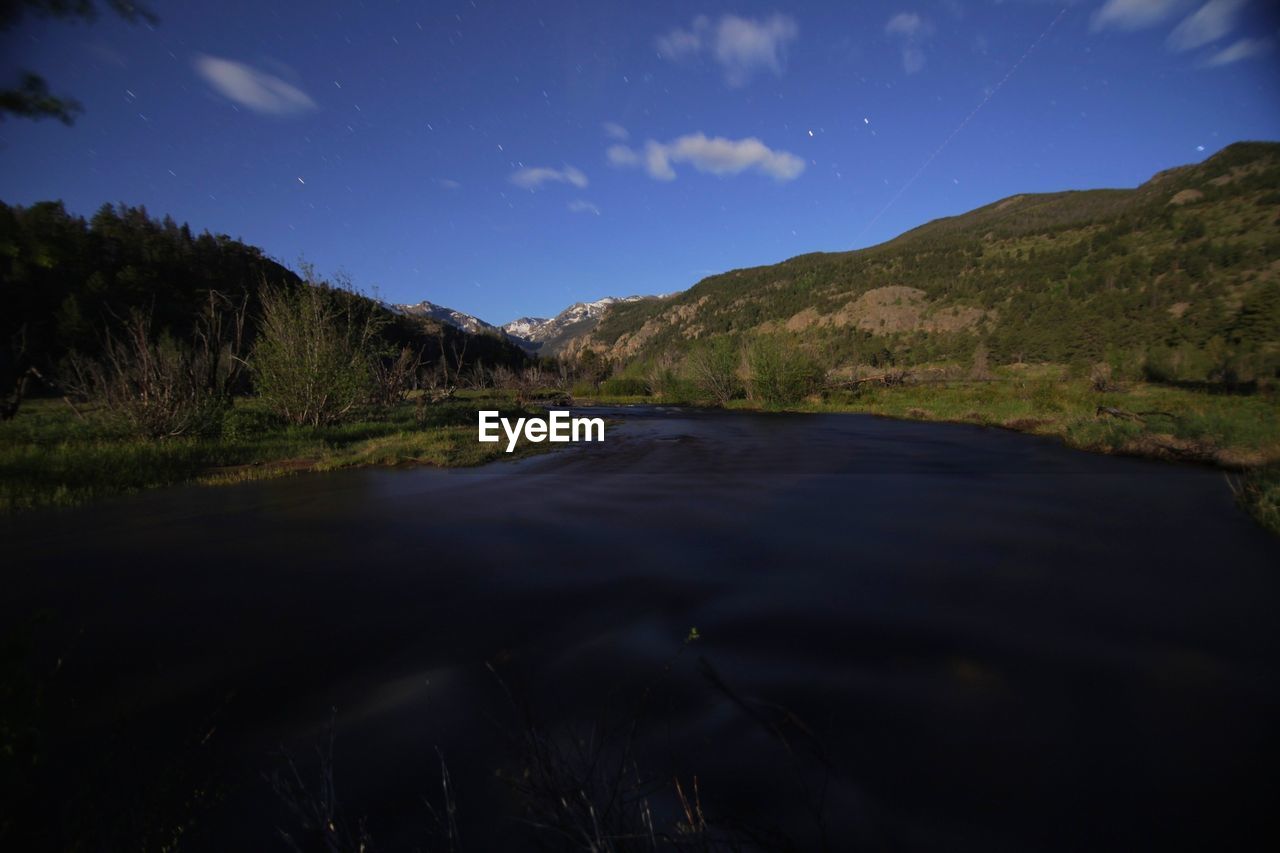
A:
(1179, 277)
(66, 281)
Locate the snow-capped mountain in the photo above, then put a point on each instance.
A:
(533, 334)
(536, 334)
(466, 322)
(525, 327)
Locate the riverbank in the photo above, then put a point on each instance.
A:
(1239, 433)
(54, 456)
(50, 455)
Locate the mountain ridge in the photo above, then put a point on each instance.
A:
(1188, 261)
(535, 335)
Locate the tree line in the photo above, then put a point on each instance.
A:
(166, 326)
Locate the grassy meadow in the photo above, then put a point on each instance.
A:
(50, 455)
(53, 455)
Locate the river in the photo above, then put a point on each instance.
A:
(908, 636)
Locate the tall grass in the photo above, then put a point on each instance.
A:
(50, 456)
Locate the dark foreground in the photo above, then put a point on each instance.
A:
(911, 637)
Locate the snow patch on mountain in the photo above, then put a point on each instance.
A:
(430, 310)
(578, 318)
(534, 334)
(524, 327)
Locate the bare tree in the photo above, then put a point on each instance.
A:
(159, 386)
(393, 378)
(714, 366)
(527, 383)
(18, 371)
(503, 376)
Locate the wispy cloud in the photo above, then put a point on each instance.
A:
(911, 30)
(534, 177)
(621, 155)
(742, 47)
(251, 88)
(1133, 14)
(1245, 48)
(906, 24)
(1209, 23)
(713, 155)
(613, 130)
(1206, 25)
(579, 205)
(684, 44)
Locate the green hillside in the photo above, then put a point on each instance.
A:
(1179, 278)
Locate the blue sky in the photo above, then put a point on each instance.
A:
(510, 158)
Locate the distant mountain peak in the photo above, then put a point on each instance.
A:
(440, 313)
(533, 334)
(548, 335)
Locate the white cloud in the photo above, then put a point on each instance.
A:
(621, 155)
(683, 44)
(1133, 14)
(1245, 48)
(657, 161)
(1209, 23)
(613, 130)
(741, 46)
(714, 155)
(904, 24)
(910, 29)
(448, 183)
(248, 87)
(744, 46)
(534, 177)
(582, 206)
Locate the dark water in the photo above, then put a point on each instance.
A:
(929, 637)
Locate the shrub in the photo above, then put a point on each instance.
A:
(714, 366)
(679, 390)
(313, 363)
(624, 386)
(246, 422)
(1044, 397)
(1159, 366)
(1100, 377)
(781, 373)
(660, 374)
